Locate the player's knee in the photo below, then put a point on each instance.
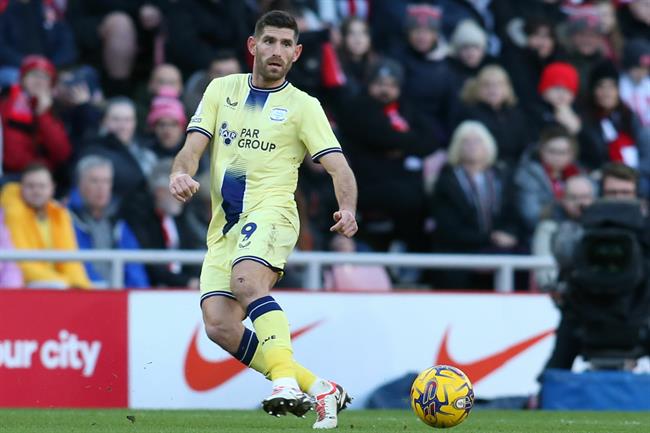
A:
(221, 331)
(245, 288)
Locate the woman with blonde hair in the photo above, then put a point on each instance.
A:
(470, 203)
(490, 99)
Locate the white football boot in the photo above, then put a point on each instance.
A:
(286, 399)
(328, 403)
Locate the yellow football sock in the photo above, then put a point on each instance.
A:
(272, 329)
(304, 377)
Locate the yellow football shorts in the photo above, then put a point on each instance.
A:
(266, 236)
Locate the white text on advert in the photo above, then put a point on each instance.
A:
(68, 352)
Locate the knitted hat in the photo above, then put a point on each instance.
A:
(636, 52)
(386, 68)
(35, 61)
(559, 74)
(423, 16)
(467, 32)
(166, 105)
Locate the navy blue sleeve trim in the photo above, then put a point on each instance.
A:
(324, 152)
(200, 130)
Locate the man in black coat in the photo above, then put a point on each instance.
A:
(386, 141)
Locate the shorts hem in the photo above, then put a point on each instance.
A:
(258, 260)
(216, 293)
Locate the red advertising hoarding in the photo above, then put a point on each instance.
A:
(63, 349)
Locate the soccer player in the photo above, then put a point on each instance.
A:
(260, 127)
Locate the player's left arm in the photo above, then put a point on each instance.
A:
(345, 187)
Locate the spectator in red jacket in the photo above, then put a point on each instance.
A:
(31, 133)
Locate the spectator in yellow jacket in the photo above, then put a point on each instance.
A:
(36, 221)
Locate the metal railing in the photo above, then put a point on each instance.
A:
(504, 265)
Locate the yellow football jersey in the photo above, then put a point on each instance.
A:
(258, 139)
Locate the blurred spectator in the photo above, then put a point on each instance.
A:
(481, 12)
(619, 181)
(319, 71)
(33, 27)
(426, 78)
(585, 43)
(490, 99)
(198, 211)
(558, 87)
(316, 202)
(386, 139)
(167, 228)
(611, 131)
(31, 133)
(117, 36)
(634, 18)
(335, 12)
(612, 35)
(525, 59)
(541, 176)
(77, 100)
(467, 55)
(634, 84)
(356, 54)
(37, 222)
(346, 277)
(97, 226)
(470, 203)
(224, 62)
(10, 275)
(167, 120)
(198, 29)
(162, 76)
(561, 227)
(132, 162)
(387, 26)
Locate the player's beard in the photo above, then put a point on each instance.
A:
(273, 75)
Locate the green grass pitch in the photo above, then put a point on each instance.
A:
(206, 421)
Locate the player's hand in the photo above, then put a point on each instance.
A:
(182, 186)
(346, 224)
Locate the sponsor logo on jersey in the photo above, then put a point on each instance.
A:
(250, 139)
(227, 135)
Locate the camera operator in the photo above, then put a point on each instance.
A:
(619, 185)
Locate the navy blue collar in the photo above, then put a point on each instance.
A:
(268, 89)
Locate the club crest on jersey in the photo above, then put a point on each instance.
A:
(279, 114)
(228, 136)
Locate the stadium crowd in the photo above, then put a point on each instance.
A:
(472, 126)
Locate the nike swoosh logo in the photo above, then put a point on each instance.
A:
(483, 367)
(204, 375)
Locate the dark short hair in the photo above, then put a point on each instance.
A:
(556, 130)
(533, 24)
(33, 168)
(279, 19)
(618, 170)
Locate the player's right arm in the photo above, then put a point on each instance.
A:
(199, 133)
(181, 184)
